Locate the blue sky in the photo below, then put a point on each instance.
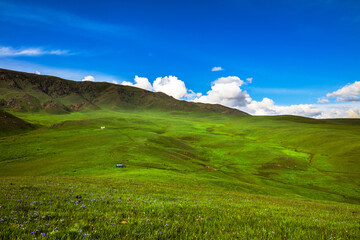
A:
(297, 53)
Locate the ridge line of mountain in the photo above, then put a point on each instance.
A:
(29, 92)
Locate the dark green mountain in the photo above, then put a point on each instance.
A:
(28, 92)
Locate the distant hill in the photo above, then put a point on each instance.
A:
(27, 92)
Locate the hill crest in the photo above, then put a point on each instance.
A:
(27, 92)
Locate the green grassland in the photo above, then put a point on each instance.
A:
(189, 175)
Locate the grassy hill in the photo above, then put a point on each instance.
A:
(27, 92)
(188, 175)
(194, 174)
(280, 156)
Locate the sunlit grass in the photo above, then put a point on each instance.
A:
(92, 208)
(187, 176)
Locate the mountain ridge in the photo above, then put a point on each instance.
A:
(28, 92)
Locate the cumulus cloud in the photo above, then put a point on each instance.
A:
(226, 91)
(169, 85)
(88, 78)
(126, 83)
(37, 72)
(140, 82)
(331, 113)
(216, 69)
(268, 107)
(13, 52)
(323, 100)
(350, 92)
(192, 95)
(353, 113)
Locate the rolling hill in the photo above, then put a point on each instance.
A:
(26, 92)
(193, 170)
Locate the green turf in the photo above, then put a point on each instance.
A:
(119, 208)
(281, 165)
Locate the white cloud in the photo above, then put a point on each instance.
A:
(331, 113)
(216, 69)
(171, 86)
(114, 82)
(140, 82)
(268, 107)
(126, 83)
(226, 91)
(353, 113)
(88, 78)
(323, 100)
(192, 95)
(37, 72)
(13, 52)
(249, 80)
(349, 92)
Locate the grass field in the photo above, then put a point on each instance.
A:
(189, 175)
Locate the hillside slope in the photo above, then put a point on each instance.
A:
(9, 124)
(26, 92)
(279, 156)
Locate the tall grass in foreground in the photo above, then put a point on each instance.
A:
(111, 208)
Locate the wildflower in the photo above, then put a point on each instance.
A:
(1, 220)
(43, 234)
(82, 205)
(56, 228)
(80, 231)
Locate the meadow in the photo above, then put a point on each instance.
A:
(189, 175)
